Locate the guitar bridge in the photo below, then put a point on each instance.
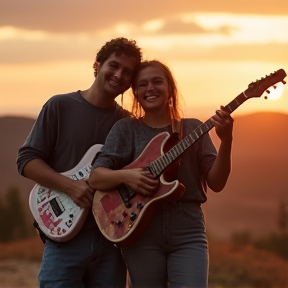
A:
(126, 194)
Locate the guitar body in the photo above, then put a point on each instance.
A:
(59, 218)
(121, 224)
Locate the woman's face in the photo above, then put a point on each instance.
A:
(152, 89)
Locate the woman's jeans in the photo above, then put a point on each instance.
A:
(172, 249)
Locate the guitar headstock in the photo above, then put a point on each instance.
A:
(257, 88)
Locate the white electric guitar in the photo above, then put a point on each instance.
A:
(58, 217)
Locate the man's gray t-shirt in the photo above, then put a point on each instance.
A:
(67, 126)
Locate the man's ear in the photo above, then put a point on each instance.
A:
(96, 65)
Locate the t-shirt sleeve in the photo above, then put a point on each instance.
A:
(117, 150)
(206, 154)
(41, 139)
(205, 149)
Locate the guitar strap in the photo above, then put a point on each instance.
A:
(42, 235)
(177, 127)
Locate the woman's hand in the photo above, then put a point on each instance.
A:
(223, 123)
(140, 181)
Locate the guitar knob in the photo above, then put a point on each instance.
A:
(133, 216)
(140, 205)
(128, 204)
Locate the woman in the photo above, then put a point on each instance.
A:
(173, 246)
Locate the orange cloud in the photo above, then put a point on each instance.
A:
(90, 15)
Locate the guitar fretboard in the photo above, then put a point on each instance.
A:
(157, 166)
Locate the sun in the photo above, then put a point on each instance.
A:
(275, 92)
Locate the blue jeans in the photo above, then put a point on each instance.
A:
(172, 249)
(88, 260)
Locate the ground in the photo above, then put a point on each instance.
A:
(18, 273)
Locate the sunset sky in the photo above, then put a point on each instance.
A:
(214, 48)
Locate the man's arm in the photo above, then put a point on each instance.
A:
(40, 172)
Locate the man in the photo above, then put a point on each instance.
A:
(67, 126)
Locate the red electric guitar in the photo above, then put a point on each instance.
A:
(121, 214)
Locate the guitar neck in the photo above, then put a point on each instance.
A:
(157, 166)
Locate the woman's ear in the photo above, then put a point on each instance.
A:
(135, 93)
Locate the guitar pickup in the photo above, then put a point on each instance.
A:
(57, 206)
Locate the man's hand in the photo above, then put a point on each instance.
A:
(81, 193)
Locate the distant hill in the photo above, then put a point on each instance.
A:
(258, 182)
(259, 178)
(13, 131)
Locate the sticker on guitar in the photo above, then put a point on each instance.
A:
(58, 217)
(122, 214)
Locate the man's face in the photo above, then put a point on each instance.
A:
(115, 74)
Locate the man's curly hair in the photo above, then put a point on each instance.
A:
(119, 46)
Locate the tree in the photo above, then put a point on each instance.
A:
(283, 217)
(12, 217)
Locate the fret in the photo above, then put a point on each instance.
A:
(201, 132)
(191, 137)
(183, 145)
(178, 148)
(166, 159)
(195, 133)
(234, 104)
(170, 156)
(173, 152)
(179, 151)
(187, 142)
(209, 124)
(229, 108)
(155, 168)
(159, 164)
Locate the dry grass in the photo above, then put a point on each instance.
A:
(29, 249)
(20, 262)
(18, 273)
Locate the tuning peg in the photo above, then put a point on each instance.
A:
(284, 82)
(268, 91)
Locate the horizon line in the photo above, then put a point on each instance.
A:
(247, 113)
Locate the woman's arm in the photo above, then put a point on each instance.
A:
(218, 174)
(143, 182)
